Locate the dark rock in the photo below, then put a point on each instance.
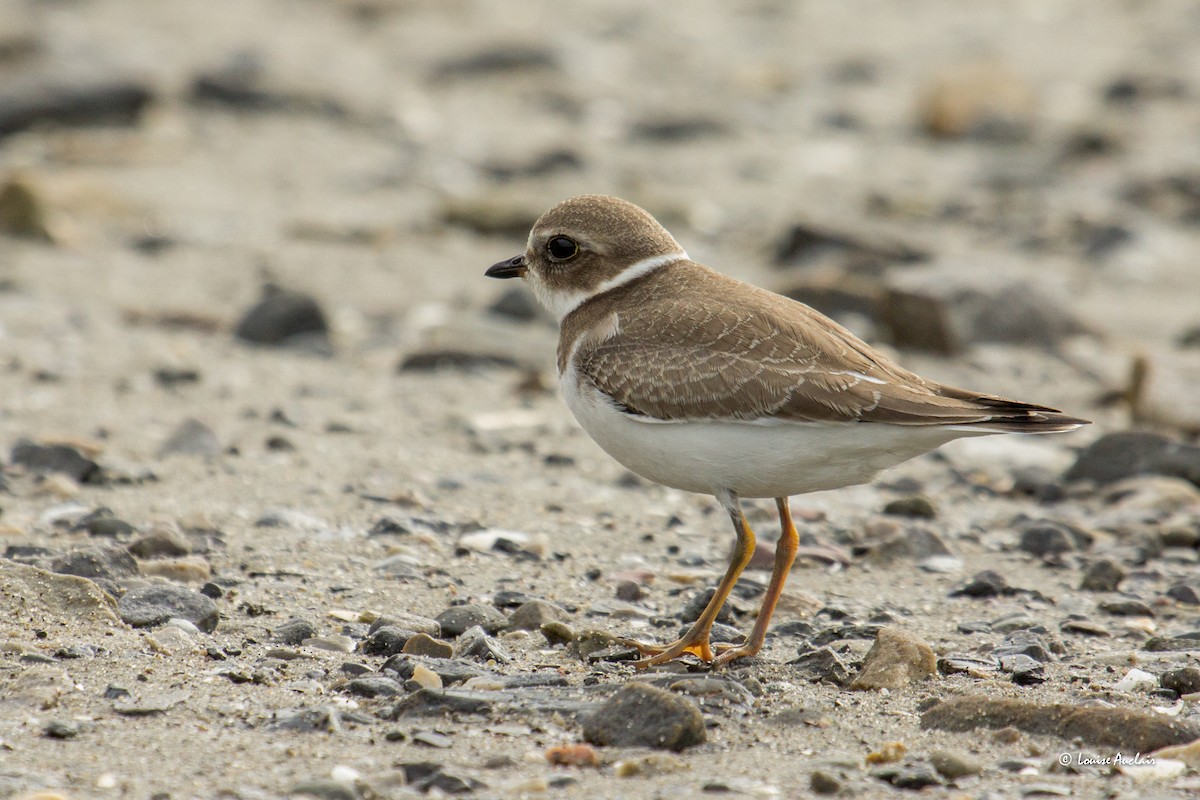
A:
(1120, 728)
(325, 789)
(841, 632)
(428, 777)
(374, 686)
(1103, 575)
(386, 641)
(46, 101)
(409, 622)
(541, 165)
(191, 438)
(1184, 680)
(531, 616)
(557, 633)
(958, 664)
(680, 129)
(1037, 482)
(457, 619)
(1127, 608)
(54, 458)
(629, 591)
(435, 702)
(836, 292)
(988, 583)
(475, 643)
(450, 670)
(806, 241)
(517, 303)
(895, 660)
(639, 715)
(822, 782)
(914, 506)
(285, 318)
(1128, 89)
(58, 729)
(1171, 644)
(1122, 455)
(823, 665)
(1051, 539)
(953, 765)
(695, 607)
(161, 542)
(498, 61)
(437, 359)
(242, 84)
(294, 632)
(170, 377)
(101, 522)
(934, 312)
(1187, 592)
(915, 776)
(107, 563)
(1025, 643)
(150, 606)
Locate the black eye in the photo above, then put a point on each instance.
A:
(561, 248)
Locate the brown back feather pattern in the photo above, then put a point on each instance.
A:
(751, 354)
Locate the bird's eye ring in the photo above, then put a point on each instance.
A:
(562, 248)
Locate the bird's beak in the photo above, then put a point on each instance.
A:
(512, 268)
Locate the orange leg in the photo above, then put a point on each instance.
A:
(695, 641)
(785, 554)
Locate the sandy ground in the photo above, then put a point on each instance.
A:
(376, 187)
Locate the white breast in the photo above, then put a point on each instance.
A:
(755, 459)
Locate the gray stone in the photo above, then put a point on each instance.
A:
(1051, 539)
(54, 458)
(150, 606)
(386, 641)
(294, 631)
(639, 715)
(475, 643)
(97, 563)
(457, 619)
(161, 542)
(285, 318)
(49, 100)
(1103, 575)
(374, 686)
(532, 615)
(913, 506)
(1186, 592)
(824, 665)
(191, 438)
(1122, 455)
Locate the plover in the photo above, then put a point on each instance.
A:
(704, 383)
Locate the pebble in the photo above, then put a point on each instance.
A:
(888, 753)
(106, 563)
(161, 541)
(335, 643)
(531, 616)
(406, 621)
(822, 782)
(101, 522)
(1051, 539)
(1136, 680)
(1101, 726)
(374, 686)
(422, 644)
(1117, 456)
(450, 670)
(1171, 644)
(1189, 754)
(639, 715)
(1102, 575)
(425, 677)
(475, 643)
(285, 318)
(896, 659)
(191, 438)
(293, 632)
(54, 458)
(557, 633)
(573, 755)
(427, 777)
(457, 619)
(953, 764)
(914, 506)
(1187, 592)
(1184, 680)
(915, 776)
(150, 606)
(325, 789)
(386, 641)
(987, 583)
(1126, 608)
(824, 665)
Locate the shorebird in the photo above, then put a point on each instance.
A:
(701, 382)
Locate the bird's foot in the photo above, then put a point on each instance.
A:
(656, 654)
(729, 652)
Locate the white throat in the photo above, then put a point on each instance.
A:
(560, 303)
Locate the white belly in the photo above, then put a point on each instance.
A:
(753, 459)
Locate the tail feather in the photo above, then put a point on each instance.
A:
(1014, 416)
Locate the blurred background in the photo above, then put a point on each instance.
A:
(979, 181)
